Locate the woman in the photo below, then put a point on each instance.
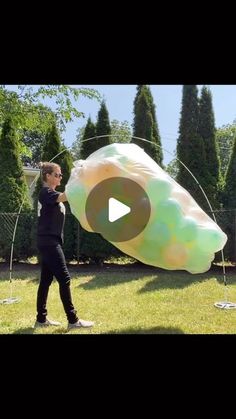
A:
(51, 219)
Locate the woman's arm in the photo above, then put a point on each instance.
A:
(62, 197)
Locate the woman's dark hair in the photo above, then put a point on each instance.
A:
(47, 168)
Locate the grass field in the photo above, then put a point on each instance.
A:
(124, 300)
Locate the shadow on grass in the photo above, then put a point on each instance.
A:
(158, 330)
(174, 281)
(164, 280)
(230, 278)
(104, 280)
(111, 274)
(22, 276)
(32, 331)
(24, 331)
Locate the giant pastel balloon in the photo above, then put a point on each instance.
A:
(179, 234)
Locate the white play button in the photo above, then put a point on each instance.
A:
(117, 210)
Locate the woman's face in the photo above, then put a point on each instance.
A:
(54, 179)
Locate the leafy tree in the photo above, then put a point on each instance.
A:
(120, 131)
(145, 124)
(172, 168)
(29, 114)
(13, 187)
(33, 140)
(75, 148)
(225, 137)
(230, 181)
(190, 146)
(22, 103)
(208, 133)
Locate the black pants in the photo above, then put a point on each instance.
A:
(53, 264)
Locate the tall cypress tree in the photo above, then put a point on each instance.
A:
(93, 245)
(13, 187)
(208, 133)
(145, 124)
(155, 134)
(66, 163)
(138, 91)
(88, 147)
(190, 147)
(52, 146)
(103, 127)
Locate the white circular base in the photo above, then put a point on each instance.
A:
(10, 300)
(225, 305)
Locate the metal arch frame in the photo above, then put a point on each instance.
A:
(13, 299)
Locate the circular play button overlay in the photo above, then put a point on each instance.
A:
(118, 208)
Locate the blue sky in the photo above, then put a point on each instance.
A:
(167, 98)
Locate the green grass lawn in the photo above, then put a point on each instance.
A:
(125, 301)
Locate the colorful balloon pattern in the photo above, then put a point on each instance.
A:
(179, 234)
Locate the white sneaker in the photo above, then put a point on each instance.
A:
(46, 323)
(80, 323)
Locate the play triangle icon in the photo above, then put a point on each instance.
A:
(117, 210)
